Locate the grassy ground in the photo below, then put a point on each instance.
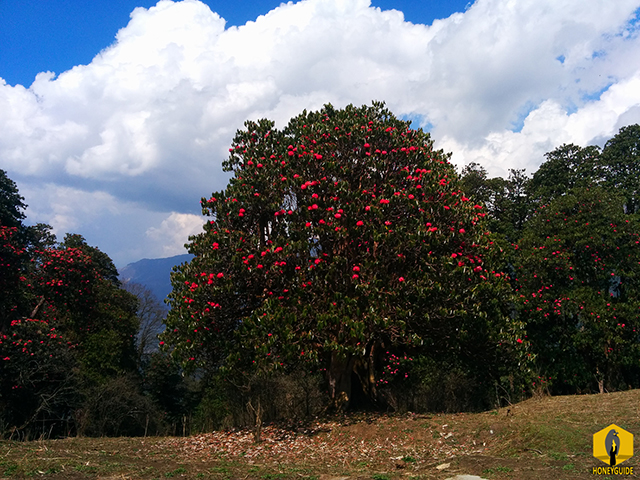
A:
(543, 438)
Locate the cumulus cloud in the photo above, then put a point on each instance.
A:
(549, 126)
(149, 120)
(173, 232)
(126, 231)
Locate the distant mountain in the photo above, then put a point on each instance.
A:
(153, 273)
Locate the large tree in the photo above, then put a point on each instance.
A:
(338, 237)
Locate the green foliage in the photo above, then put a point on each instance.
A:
(577, 277)
(341, 233)
(65, 326)
(164, 383)
(100, 260)
(567, 167)
(11, 202)
(507, 201)
(620, 165)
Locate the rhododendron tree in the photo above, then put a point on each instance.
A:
(337, 237)
(577, 277)
(64, 323)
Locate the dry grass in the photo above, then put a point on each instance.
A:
(548, 437)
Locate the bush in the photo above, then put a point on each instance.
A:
(118, 408)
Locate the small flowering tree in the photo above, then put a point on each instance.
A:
(339, 236)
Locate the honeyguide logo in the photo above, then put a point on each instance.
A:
(613, 445)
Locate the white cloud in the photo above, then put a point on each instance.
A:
(126, 231)
(550, 126)
(174, 231)
(149, 120)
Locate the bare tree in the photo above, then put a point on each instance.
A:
(151, 313)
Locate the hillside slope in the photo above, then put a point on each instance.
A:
(153, 273)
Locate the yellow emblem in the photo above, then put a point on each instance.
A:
(613, 445)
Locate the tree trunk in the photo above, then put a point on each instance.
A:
(600, 379)
(339, 374)
(364, 368)
(257, 414)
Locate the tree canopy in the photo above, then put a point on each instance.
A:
(340, 236)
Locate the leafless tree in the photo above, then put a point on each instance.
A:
(151, 313)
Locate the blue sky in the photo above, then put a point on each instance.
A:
(55, 35)
(127, 136)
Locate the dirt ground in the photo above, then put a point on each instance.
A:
(542, 438)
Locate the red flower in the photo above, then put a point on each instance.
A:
(401, 279)
(519, 340)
